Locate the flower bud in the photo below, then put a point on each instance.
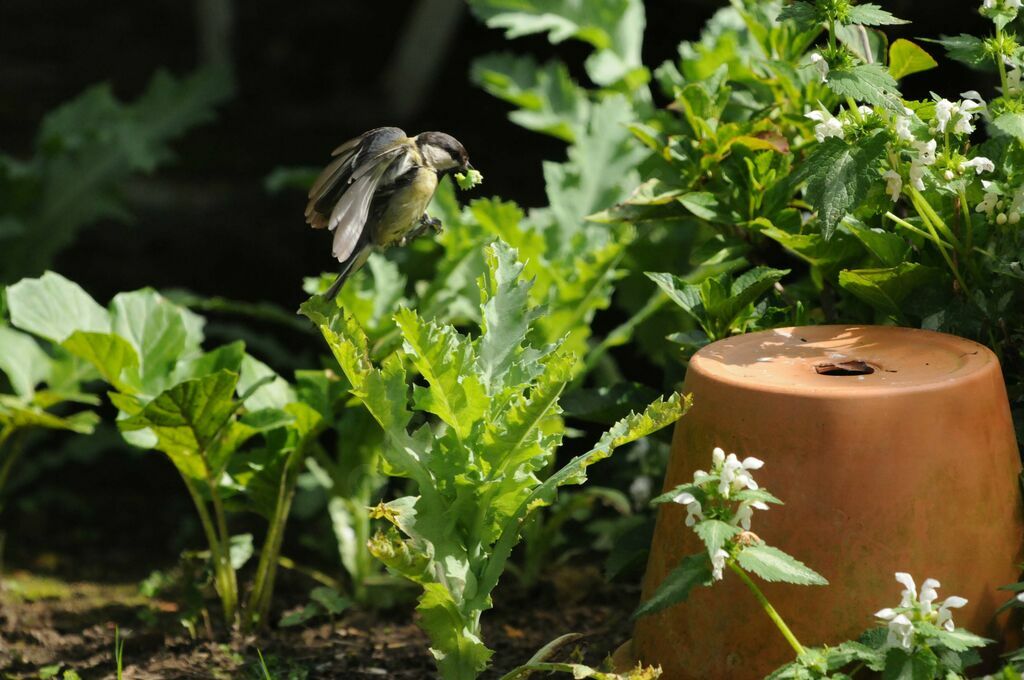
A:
(1014, 217)
(1001, 219)
(949, 175)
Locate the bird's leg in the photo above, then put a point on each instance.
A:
(426, 222)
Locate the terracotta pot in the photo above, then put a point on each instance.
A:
(893, 450)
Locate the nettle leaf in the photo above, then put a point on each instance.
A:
(692, 571)
(715, 533)
(773, 565)
(869, 83)
(967, 49)
(886, 289)
(906, 58)
(23, 361)
(1011, 124)
(549, 100)
(838, 176)
(803, 13)
(187, 419)
(445, 360)
(869, 14)
(921, 664)
(53, 307)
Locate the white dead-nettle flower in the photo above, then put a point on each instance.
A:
(960, 114)
(640, 489)
(1020, 597)
(980, 165)
(901, 629)
(718, 564)
(929, 594)
(827, 125)
(926, 151)
(902, 125)
(917, 171)
(694, 513)
(909, 595)
(949, 175)
(819, 63)
(893, 184)
(988, 203)
(735, 474)
(944, 110)
(745, 512)
(944, 617)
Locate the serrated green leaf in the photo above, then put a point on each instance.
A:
(1011, 124)
(773, 565)
(869, 83)
(445, 359)
(967, 49)
(53, 307)
(458, 652)
(838, 176)
(803, 13)
(693, 571)
(906, 58)
(506, 318)
(869, 14)
(715, 533)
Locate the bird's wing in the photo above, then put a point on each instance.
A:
(335, 179)
(348, 219)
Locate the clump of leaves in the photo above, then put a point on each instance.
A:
(492, 422)
(199, 408)
(85, 150)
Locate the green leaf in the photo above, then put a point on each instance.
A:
(773, 565)
(110, 354)
(549, 100)
(693, 571)
(458, 652)
(967, 49)
(613, 27)
(187, 420)
(240, 549)
(888, 247)
(906, 58)
(838, 176)
(869, 83)
(160, 333)
(704, 205)
(506, 318)
(274, 393)
(1011, 124)
(869, 14)
(921, 664)
(23, 361)
(886, 289)
(53, 307)
(445, 360)
(803, 13)
(715, 533)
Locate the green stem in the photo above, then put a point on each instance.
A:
(223, 560)
(227, 587)
(999, 61)
(9, 457)
(768, 608)
(924, 234)
(923, 212)
(925, 208)
(832, 34)
(263, 587)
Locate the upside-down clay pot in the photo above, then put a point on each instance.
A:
(893, 450)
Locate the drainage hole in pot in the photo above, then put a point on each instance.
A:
(844, 368)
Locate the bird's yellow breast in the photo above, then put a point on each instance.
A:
(406, 207)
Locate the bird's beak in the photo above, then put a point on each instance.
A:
(469, 166)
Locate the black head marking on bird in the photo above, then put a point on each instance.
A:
(442, 152)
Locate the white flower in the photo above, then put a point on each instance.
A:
(926, 151)
(963, 112)
(949, 175)
(980, 165)
(718, 456)
(745, 512)
(893, 184)
(640, 489)
(819, 63)
(944, 110)
(735, 474)
(718, 564)
(987, 204)
(699, 477)
(828, 125)
(903, 126)
(1013, 82)
(917, 175)
(909, 594)
(1020, 597)
(928, 595)
(901, 633)
(945, 618)
(693, 509)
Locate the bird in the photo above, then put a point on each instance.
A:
(375, 192)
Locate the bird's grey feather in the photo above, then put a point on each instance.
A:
(348, 218)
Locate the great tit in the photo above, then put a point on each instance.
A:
(374, 193)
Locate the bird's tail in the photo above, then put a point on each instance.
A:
(347, 268)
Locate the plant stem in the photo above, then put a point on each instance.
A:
(223, 560)
(8, 457)
(920, 204)
(832, 34)
(227, 587)
(910, 227)
(999, 61)
(768, 608)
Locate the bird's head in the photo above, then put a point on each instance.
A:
(442, 152)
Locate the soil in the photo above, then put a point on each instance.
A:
(48, 625)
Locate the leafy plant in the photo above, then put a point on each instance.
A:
(199, 408)
(85, 150)
(495, 398)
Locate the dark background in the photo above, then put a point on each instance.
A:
(309, 75)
